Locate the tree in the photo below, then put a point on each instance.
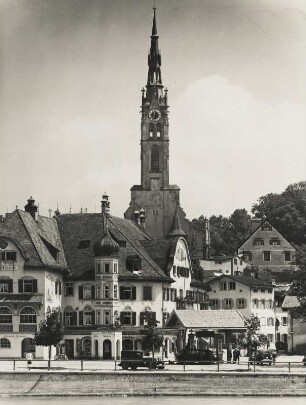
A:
(298, 285)
(252, 338)
(50, 333)
(152, 339)
(287, 211)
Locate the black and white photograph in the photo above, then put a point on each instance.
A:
(153, 202)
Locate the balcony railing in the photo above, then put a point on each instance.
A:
(6, 328)
(8, 265)
(28, 328)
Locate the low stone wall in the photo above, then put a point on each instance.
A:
(151, 383)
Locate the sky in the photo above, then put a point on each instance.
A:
(71, 74)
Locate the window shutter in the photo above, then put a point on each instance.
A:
(60, 288)
(134, 317)
(34, 286)
(93, 316)
(10, 286)
(121, 293)
(81, 318)
(78, 345)
(121, 317)
(20, 286)
(142, 318)
(93, 292)
(74, 319)
(134, 294)
(56, 288)
(80, 292)
(223, 304)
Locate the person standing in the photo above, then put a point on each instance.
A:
(29, 357)
(237, 355)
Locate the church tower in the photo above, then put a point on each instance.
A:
(154, 195)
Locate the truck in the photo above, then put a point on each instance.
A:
(134, 358)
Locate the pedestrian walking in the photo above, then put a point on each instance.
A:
(274, 354)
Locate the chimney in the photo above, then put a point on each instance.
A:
(31, 208)
(255, 223)
(142, 218)
(105, 204)
(136, 217)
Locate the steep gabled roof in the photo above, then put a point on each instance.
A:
(290, 302)
(77, 227)
(35, 238)
(250, 281)
(259, 226)
(209, 319)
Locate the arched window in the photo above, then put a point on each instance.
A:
(86, 345)
(5, 315)
(151, 131)
(28, 315)
(5, 343)
(155, 158)
(158, 131)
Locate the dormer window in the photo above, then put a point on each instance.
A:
(8, 256)
(133, 263)
(84, 244)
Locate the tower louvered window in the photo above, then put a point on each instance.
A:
(155, 158)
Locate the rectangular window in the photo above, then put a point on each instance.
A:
(106, 267)
(255, 303)
(263, 322)
(267, 256)
(98, 268)
(287, 256)
(232, 285)
(270, 338)
(147, 293)
(4, 286)
(106, 317)
(70, 318)
(173, 294)
(128, 318)
(165, 294)
(98, 292)
(214, 304)
(174, 270)
(270, 322)
(228, 303)
(284, 321)
(258, 242)
(87, 292)
(127, 293)
(274, 242)
(247, 256)
(9, 256)
(235, 261)
(115, 292)
(266, 227)
(262, 290)
(106, 292)
(262, 304)
(241, 303)
(223, 285)
(27, 286)
(115, 268)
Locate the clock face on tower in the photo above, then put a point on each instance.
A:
(154, 115)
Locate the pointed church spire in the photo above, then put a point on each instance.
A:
(176, 229)
(154, 58)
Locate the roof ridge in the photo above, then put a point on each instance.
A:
(40, 258)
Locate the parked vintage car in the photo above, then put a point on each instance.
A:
(262, 357)
(134, 358)
(188, 356)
